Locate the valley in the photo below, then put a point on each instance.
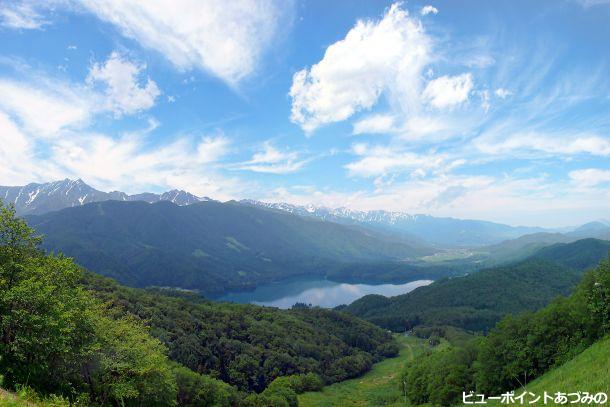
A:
(260, 306)
(304, 203)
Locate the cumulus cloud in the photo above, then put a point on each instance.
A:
(428, 10)
(374, 56)
(225, 38)
(503, 93)
(447, 91)
(273, 161)
(120, 78)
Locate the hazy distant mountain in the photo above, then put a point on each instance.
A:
(522, 247)
(478, 300)
(442, 231)
(34, 199)
(209, 246)
(597, 229)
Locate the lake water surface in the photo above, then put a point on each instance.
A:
(323, 293)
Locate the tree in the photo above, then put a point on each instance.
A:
(47, 320)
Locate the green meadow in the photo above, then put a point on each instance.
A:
(378, 387)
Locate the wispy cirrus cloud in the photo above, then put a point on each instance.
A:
(532, 143)
(22, 15)
(590, 177)
(271, 160)
(224, 38)
(46, 105)
(47, 131)
(382, 160)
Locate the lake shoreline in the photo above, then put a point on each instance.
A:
(317, 291)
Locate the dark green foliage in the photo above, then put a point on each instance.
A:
(73, 333)
(518, 249)
(208, 246)
(473, 302)
(56, 338)
(580, 255)
(247, 345)
(46, 319)
(439, 377)
(477, 301)
(198, 390)
(283, 390)
(526, 346)
(518, 350)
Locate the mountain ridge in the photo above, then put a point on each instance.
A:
(442, 231)
(208, 246)
(40, 198)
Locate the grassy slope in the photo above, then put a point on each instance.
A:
(589, 371)
(378, 387)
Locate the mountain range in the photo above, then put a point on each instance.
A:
(417, 230)
(209, 246)
(36, 199)
(443, 232)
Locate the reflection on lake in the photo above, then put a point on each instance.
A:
(322, 293)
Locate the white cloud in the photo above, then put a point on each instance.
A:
(45, 107)
(428, 9)
(532, 142)
(447, 91)
(225, 38)
(128, 164)
(273, 161)
(378, 160)
(503, 93)
(374, 56)
(16, 165)
(377, 123)
(21, 15)
(45, 134)
(532, 200)
(590, 177)
(484, 94)
(124, 94)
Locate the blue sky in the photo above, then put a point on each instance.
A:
(495, 110)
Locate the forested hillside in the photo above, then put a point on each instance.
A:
(522, 348)
(208, 246)
(477, 301)
(84, 339)
(247, 345)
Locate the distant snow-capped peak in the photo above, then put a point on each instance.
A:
(35, 198)
(377, 216)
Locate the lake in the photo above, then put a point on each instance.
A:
(319, 292)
